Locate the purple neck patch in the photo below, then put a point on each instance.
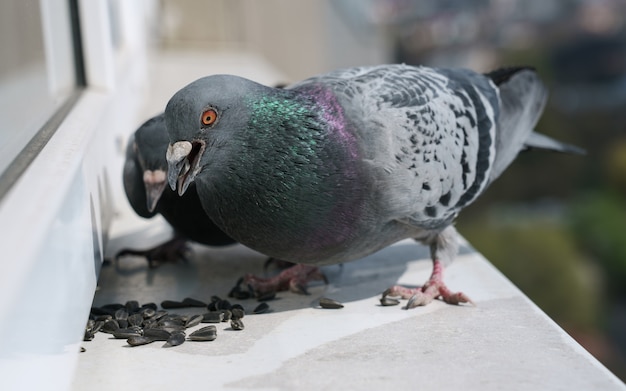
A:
(347, 211)
(333, 115)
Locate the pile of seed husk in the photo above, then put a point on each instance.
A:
(144, 324)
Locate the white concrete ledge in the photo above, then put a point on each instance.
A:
(504, 342)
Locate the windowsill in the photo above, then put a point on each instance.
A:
(505, 342)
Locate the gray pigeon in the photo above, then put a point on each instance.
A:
(145, 183)
(341, 165)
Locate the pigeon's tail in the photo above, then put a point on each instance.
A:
(522, 99)
(541, 141)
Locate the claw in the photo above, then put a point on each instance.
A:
(418, 299)
(434, 288)
(296, 287)
(458, 298)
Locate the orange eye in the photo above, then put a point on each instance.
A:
(209, 116)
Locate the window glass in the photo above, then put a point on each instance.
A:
(37, 71)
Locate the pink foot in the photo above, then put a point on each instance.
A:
(432, 289)
(173, 250)
(295, 279)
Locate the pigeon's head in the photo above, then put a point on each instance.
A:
(202, 120)
(150, 145)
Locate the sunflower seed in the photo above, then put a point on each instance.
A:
(135, 320)
(227, 315)
(126, 333)
(330, 303)
(237, 313)
(97, 326)
(147, 312)
(160, 314)
(111, 308)
(189, 302)
(132, 306)
(177, 338)
(110, 326)
(89, 335)
(139, 340)
(171, 329)
(103, 318)
(388, 301)
(157, 334)
(261, 308)
(171, 322)
(150, 305)
(168, 304)
(121, 314)
(236, 324)
(212, 317)
(194, 321)
(208, 333)
(239, 294)
(149, 323)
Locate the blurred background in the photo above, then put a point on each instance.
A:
(554, 224)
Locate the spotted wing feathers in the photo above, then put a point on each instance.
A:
(439, 135)
(434, 132)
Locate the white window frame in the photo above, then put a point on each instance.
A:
(55, 216)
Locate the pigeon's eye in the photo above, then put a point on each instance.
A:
(209, 116)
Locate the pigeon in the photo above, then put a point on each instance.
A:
(145, 184)
(343, 164)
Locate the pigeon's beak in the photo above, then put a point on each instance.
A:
(183, 159)
(155, 182)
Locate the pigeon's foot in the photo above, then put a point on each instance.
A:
(433, 288)
(295, 279)
(173, 250)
